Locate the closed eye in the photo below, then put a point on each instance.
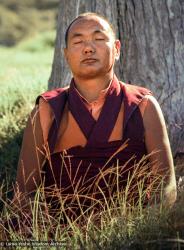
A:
(99, 39)
(77, 42)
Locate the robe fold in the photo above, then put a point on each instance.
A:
(94, 170)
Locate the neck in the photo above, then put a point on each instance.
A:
(91, 88)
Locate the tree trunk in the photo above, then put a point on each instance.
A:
(152, 55)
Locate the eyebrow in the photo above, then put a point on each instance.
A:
(80, 34)
(76, 35)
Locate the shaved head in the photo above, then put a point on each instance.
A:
(88, 15)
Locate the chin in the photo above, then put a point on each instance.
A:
(87, 76)
(91, 74)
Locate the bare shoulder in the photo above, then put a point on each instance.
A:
(150, 102)
(152, 113)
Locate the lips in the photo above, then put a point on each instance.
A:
(89, 60)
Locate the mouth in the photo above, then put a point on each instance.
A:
(89, 60)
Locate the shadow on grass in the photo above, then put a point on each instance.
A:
(9, 155)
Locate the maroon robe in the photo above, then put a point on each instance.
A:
(80, 169)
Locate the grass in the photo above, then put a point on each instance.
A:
(117, 224)
(24, 72)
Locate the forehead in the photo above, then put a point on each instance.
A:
(89, 24)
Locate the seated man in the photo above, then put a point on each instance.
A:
(76, 133)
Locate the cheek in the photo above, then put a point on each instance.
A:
(113, 53)
(72, 52)
(72, 58)
(110, 51)
(110, 54)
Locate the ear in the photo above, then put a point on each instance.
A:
(117, 49)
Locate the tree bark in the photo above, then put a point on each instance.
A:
(152, 54)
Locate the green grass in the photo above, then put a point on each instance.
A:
(24, 73)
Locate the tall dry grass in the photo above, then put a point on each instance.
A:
(116, 222)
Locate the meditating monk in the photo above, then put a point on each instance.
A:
(82, 139)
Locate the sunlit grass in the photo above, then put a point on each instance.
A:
(117, 224)
(23, 76)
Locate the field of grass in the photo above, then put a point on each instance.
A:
(24, 73)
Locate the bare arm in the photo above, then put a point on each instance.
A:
(156, 139)
(31, 157)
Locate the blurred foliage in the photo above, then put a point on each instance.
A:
(23, 18)
(41, 4)
(40, 42)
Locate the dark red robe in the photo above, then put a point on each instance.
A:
(90, 171)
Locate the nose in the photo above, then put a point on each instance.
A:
(89, 48)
